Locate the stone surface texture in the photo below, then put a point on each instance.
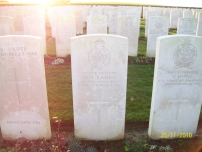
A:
(6, 26)
(24, 105)
(158, 26)
(99, 78)
(65, 29)
(129, 26)
(187, 26)
(177, 87)
(97, 24)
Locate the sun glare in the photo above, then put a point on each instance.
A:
(31, 1)
(182, 3)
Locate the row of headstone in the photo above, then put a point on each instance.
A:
(173, 14)
(99, 78)
(66, 25)
(19, 12)
(23, 20)
(160, 26)
(98, 19)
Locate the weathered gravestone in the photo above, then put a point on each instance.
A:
(149, 14)
(97, 24)
(65, 29)
(35, 25)
(144, 11)
(18, 22)
(6, 26)
(174, 15)
(113, 21)
(187, 13)
(135, 11)
(199, 25)
(166, 13)
(79, 21)
(196, 12)
(187, 26)
(24, 106)
(129, 26)
(158, 26)
(99, 77)
(177, 87)
(95, 11)
(122, 11)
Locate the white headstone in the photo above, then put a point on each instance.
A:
(97, 24)
(199, 25)
(99, 77)
(177, 87)
(95, 11)
(158, 26)
(122, 11)
(174, 15)
(18, 22)
(24, 105)
(107, 11)
(166, 13)
(187, 26)
(113, 21)
(6, 26)
(129, 26)
(149, 14)
(145, 9)
(135, 12)
(79, 21)
(35, 25)
(65, 29)
(187, 13)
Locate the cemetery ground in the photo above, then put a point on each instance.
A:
(138, 102)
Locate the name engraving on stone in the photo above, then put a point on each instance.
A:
(16, 51)
(23, 122)
(106, 79)
(181, 78)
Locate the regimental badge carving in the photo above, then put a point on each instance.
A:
(99, 57)
(185, 55)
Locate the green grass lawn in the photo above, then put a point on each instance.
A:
(139, 91)
(139, 86)
(59, 88)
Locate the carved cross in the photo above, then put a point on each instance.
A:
(16, 82)
(98, 107)
(177, 103)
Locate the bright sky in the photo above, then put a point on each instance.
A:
(31, 1)
(183, 3)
